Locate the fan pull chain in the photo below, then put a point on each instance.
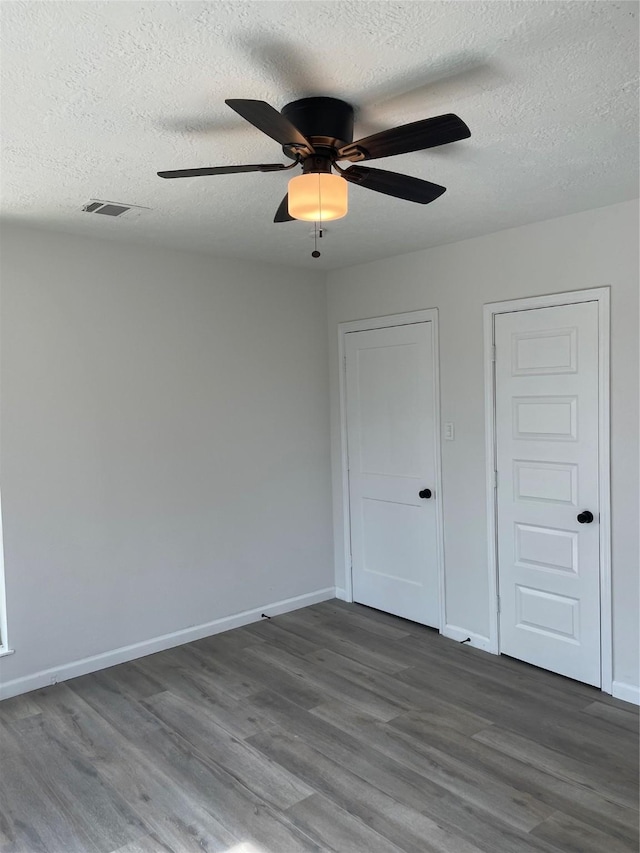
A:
(316, 253)
(317, 234)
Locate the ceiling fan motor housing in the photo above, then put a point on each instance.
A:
(325, 122)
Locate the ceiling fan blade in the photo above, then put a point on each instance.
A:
(392, 183)
(267, 119)
(282, 213)
(222, 170)
(428, 133)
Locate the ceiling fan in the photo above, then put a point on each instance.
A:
(316, 133)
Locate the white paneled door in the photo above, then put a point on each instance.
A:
(391, 448)
(547, 488)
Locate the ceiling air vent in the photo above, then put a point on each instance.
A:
(113, 208)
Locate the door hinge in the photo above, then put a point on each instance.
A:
(495, 479)
(493, 352)
(498, 603)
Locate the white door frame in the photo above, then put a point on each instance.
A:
(4, 640)
(390, 320)
(601, 296)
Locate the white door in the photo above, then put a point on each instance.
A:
(391, 447)
(547, 460)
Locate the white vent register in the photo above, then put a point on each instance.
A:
(113, 208)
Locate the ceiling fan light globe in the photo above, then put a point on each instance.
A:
(318, 197)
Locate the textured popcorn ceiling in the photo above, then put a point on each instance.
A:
(98, 96)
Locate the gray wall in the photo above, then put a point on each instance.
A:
(591, 249)
(165, 442)
(165, 426)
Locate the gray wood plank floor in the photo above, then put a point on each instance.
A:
(334, 728)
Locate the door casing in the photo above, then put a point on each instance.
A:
(601, 295)
(426, 315)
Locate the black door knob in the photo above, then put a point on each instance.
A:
(425, 493)
(585, 517)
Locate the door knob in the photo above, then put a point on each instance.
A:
(585, 517)
(425, 493)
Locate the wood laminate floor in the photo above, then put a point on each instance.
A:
(334, 728)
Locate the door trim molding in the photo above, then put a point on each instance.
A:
(4, 639)
(601, 295)
(365, 325)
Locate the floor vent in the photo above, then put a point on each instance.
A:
(113, 208)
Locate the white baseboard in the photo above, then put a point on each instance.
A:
(341, 594)
(158, 644)
(454, 632)
(628, 692)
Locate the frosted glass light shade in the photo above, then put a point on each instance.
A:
(318, 197)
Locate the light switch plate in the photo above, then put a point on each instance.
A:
(449, 432)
